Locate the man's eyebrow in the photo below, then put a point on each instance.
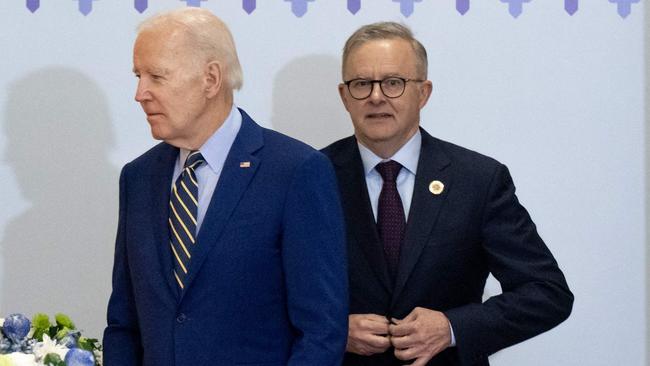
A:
(153, 70)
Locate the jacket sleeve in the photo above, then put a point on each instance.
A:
(121, 337)
(315, 265)
(535, 296)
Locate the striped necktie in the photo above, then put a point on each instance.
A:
(183, 207)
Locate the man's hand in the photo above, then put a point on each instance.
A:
(421, 335)
(367, 334)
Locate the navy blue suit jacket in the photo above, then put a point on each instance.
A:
(453, 240)
(268, 283)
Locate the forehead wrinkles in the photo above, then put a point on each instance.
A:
(386, 57)
(165, 51)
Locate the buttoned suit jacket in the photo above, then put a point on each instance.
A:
(453, 240)
(267, 282)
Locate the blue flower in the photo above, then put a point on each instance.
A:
(5, 346)
(71, 339)
(16, 327)
(79, 357)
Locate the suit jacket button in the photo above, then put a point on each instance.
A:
(181, 318)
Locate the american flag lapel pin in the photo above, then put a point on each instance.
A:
(245, 164)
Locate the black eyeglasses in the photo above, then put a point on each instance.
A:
(392, 87)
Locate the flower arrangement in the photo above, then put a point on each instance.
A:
(41, 343)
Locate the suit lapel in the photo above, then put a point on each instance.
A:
(232, 184)
(360, 219)
(425, 207)
(161, 179)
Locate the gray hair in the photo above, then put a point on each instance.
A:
(210, 35)
(383, 31)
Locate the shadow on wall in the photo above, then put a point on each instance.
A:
(58, 255)
(306, 103)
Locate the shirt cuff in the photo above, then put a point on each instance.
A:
(453, 338)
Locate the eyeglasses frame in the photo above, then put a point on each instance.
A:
(373, 82)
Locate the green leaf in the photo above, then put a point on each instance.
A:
(62, 333)
(41, 321)
(83, 343)
(52, 359)
(41, 325)
(63, 321)
(52, 331)
(89, 344)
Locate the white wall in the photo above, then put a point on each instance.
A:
(558, 98)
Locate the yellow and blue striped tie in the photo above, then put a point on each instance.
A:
(183, 207)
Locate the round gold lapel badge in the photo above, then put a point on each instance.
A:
(436, 187)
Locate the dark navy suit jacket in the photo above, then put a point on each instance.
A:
(268, 283)
(453, 240)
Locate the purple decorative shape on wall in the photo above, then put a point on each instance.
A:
(354, 6)
(515, 7)
(249, 5)
(85, 6)
(140, 5)
(193, 3)
(571, 6)
(624, 7)
(33, 5)
(462, 6)
(299, 7)
(406, 6)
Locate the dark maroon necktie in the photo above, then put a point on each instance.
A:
(390, 214)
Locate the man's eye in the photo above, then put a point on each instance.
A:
(361, 83)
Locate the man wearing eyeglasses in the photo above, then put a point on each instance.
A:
(427, 222)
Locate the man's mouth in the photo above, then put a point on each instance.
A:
(378, 115)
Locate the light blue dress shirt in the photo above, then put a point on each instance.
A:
(407, 156)
(214, 151)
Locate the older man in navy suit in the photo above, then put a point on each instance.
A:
(427, 222)
(230, 245)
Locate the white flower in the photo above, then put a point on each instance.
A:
(22, 359)
(41, 349)
(99, 357)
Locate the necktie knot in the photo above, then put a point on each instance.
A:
(389, 170)
(193, 160)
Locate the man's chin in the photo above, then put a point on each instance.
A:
(379, 136)
(158, 131)
(157, 134)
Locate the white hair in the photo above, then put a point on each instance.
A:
(210, 35)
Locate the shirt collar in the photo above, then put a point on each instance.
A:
(216, 148)
(407, 155)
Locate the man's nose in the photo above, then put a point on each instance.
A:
(142, 92)
(376, 94)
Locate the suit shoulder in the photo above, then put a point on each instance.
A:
(338, 147)
(465, 157)
(148, 157)
(288, 150)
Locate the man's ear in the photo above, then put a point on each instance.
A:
(214, 74)
(425, 92)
